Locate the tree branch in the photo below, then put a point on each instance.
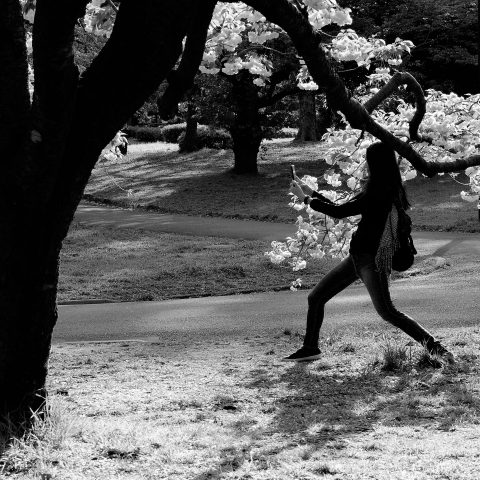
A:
(149, 34)
(398, 79)
(181, 79)
(286, 16)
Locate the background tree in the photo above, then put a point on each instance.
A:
(261, 64)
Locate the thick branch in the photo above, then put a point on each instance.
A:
(181, 79)
(398, 79)
(14, 96)
(284, 14)
(56, 77)
(149, 34)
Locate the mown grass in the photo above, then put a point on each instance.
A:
(141, 265)
(201, 183)
(137, 265)
(207, 410)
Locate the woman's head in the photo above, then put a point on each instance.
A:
(382, 164)
(383, 170)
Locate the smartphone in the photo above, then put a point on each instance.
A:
(292, 171)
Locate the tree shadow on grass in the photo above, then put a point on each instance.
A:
(335, 406)
(202, 184)
(321, 406)
(324, 408)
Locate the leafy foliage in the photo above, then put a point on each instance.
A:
(444, 33)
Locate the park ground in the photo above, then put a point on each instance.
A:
(135, 265)
(374, 406)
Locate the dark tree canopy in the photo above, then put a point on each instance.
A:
(445, 34)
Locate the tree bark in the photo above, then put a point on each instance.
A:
(307, 131)
(189, 141)
(181, 79)
(246, 130)
(73, 124)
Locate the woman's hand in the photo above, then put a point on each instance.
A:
(306, 189)
(296, 189)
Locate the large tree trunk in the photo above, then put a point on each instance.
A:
(44, 179)
(307, 130)
(246, 130)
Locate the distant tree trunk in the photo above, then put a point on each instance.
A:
(189, 141)
(307, 131)
(325, 120)
(246, 130)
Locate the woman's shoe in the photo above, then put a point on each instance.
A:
(444, 355)
(304, 354)
(448, 358)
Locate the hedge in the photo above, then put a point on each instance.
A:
(208, 137)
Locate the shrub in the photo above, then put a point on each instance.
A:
(214, 137)
(286, 133)
(172, 132)
(208, 137)
(145, 134)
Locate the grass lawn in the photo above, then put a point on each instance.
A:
(203, 408)
(200, 184)
(370, 409)
(134, 265)
(126, 265)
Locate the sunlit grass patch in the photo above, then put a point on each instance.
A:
(215, 411)
(139, 265)
(200, 183)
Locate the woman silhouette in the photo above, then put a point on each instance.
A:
(371, 250)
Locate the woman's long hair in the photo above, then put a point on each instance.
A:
(384, 172)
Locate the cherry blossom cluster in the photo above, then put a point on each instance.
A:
(237, 33)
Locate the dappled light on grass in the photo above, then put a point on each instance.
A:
(204, 408)
(200, 183)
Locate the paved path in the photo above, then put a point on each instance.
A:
(96, 215)
(452, 303)
(427, 243)
(436, 301)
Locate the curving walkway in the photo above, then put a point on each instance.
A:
(427, 243)
(448, 298)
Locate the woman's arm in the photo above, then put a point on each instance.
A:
(348, 209)
(318, 195)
